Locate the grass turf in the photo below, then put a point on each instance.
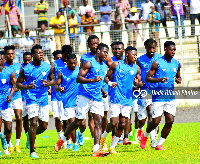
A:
(182, 146)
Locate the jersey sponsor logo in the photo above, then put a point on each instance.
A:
(68, 79)
(132, 72)
(3, 81)
(17, 71)
(164, 69)
(174, 69)
(44, 73)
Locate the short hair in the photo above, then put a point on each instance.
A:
(37, 46)
(117, 43)
(66, 49)
(56, 52)
(71, 56)
(101, 45)
(130, 48)
(149, 42)
(169, 43)
(91, 37)
(26, 54)
(9, 47)
(2, 52)
(113, 43)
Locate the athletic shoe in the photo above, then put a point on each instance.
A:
(59, 145)
(154, 143)
(143, 141)
(80, 139)
(3, 142)
(120, 142)
(0, 153)
(11, 149)
(28, 142)
(34, 155)
(127, 142)
(64, 146)
(103, 143)
(75, 148)
(69, 146)
(6, 152)
(17, 149)
(159, 147)
(140, 133)
(112, 151)
(99, 153)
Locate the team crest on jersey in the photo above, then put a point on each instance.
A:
(17, 71)
(97, 70)
(164, 69)
(44, 73)
(68, 79)
(132, 72)
(120, 70)
(3, 81)
(174, 69)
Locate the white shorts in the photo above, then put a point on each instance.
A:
(84, 105)
(142, 112)
(57, 108)
(25, 109)
(116, 109)
(69, 113)
(134, 107)
(6, 114)
(17, 104)
(158, 108)
(147, 102)
(41, 111)
(106, 104)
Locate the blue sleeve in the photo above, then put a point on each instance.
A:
(148, 17)
(158, 16)
(101, 9)
(110, 9)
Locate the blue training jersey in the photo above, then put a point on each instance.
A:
(16, 67)
(4, 87)
(23, 92)
(71, 87)
(35, 74)
(164, 91)
(92, 90)
(87, 57)
(124, 77)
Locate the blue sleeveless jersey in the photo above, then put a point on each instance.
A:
(58, 66)
(16, 67)
(71, 87)
(23, 92)
(114, 59)
(164, 91)
(38, 95)
(92, 90)
(124, 77)
(87, 57)
(4, 87)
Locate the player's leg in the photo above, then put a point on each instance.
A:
(0, 122)
(106, 109)
(91, 124)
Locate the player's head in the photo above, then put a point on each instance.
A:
(104, 2)
(152, 9)
(2, 58)
(58, 14)
(37, 52)
(27, 57)
(71, 61)
(118, 49)
(57, 54)
(102, 51)
(131, 54)
(93, 42)
(170, 49)
(10, 52)
(14, 33)
(66, 49)
(150, 46)
(113, 46)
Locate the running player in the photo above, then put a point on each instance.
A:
(123, 72)
(69, 89)
(27, 59)
(38, 76)
(90, 97)
(7, 79)
(165, 71)
(16, 105)
(144, 105)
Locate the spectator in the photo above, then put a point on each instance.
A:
(145, 10)
(57, 22)
(133, 20)
(194, 13)
(45, 36)
(64, 6)
(105, 11)
(74, 29)
(28, 41)
(116, 35)
(82, 9)
(41, 9)
(124, 5)
(160, 8)
(88, 19)
(180, 6)
(14, 18)
(3, 42)
(154, 21)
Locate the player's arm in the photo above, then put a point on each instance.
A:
(13, 81)
(81, 63)
(109, 74)
(21, 79)
(58, 82)
(178, 75)
(105, 94)
(108, 61)
(51, 81)
(137, 80)
(149, 77)
(83, 71)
